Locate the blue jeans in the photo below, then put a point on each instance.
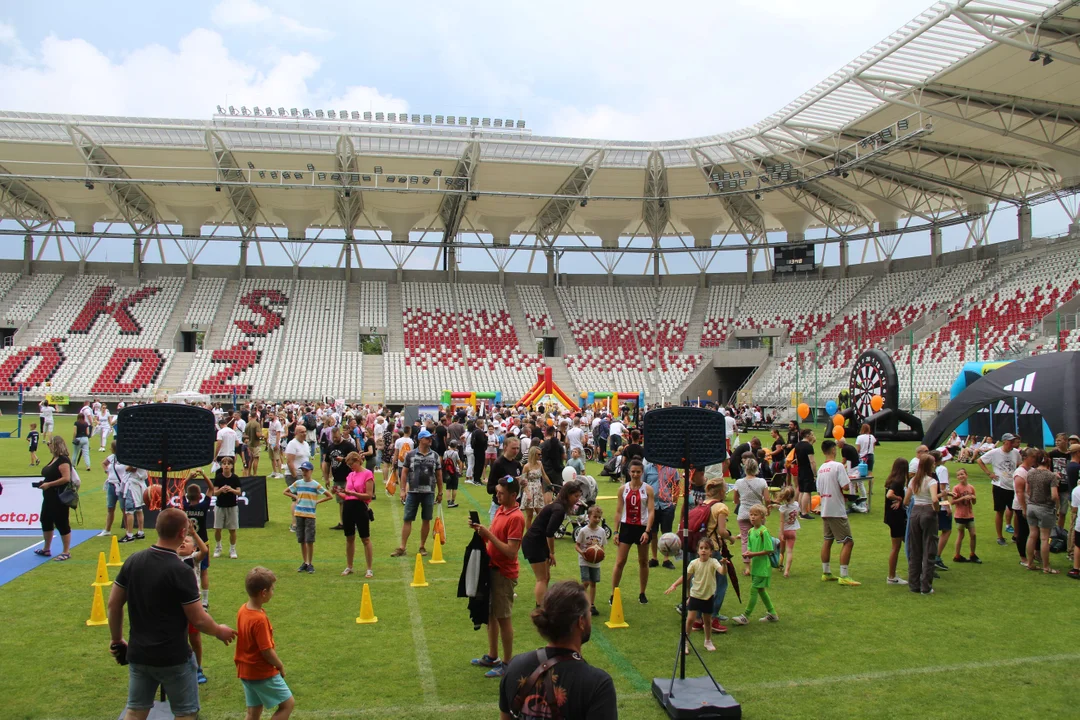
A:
(424, 502)
(180, 682)
(81, 446)
(721, 587)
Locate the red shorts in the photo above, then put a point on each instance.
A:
(788, 538)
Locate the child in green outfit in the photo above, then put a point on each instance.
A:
(759, 547)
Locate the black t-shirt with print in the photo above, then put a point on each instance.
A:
(500, 469)
(369, 461)
(197, 512)
(226, 500)
(158, 586)
(337, 454)
(1059, 461)
(583, 691)
(803, 451)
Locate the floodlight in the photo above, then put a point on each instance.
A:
(244, 110)
(269, 111)
(462, 120)
(331, 114)
(902, 124)
(258, 110)
(366, 178)
(89, 185)
(310, 167)
(486, 122)
(427, 180)
(294, 112)
(281, 112)
(416, 118)
(474, 121)
(521, 124)
(1047, 59)
(451, 119)
(307, 113)
(355, 115)
(508, 123)
(344, 114)
(251, 165)
(220, 110)
(427, 119)
(402, 179)
(285, 175)
(378, 169)
(437, 172)
(273, 174)
(584, 202)
(498, 122)
(367, 115)
(438, 119)
(379, 117)
(1034, 56)
(232, 110)
(391, 117)
(262, 174)
(336, 177)
(322, 176)
(414, 179)
(390, 178)
(298, 175)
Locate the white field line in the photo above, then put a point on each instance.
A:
(416, 622)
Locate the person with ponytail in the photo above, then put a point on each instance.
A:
(555, 681)
(538, 545)
(922, 534)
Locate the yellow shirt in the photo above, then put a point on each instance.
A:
(703, 577)
(718, 515)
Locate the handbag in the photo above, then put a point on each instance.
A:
(70, 495)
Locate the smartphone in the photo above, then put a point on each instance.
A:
(474, 517)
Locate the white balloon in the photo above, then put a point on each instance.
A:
(569, 474)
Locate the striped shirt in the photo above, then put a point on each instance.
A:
(307, 493)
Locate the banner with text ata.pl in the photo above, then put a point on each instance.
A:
(20, 503)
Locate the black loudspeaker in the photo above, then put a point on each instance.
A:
(685, 437)
(165, 436)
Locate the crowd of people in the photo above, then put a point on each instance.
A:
(531, 463)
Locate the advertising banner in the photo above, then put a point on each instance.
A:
(254, 510)
(20, 503)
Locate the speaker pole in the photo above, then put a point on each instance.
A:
(687, 472)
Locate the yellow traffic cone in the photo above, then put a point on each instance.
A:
(436, 553)
(616, 620)
(102, 579)
(114, 554)
(97, 610)
(418, 574)
(367, 613)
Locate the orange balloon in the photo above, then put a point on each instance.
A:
(814, 502)
(838, 420)
(876, 403)
(550, 421)
(709, 393)
(804, 411)
(837, 432)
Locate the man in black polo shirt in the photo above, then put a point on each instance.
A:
(162, 598)
(804, 456)
(552, 456)
(505, 464)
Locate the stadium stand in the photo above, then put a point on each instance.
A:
(205, 302)
(536, 309)
(723, 309)
(28, 300)
(372, 304)
(602, 327)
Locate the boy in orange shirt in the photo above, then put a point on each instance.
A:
(257, 664)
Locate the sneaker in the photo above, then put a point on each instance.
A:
(975, 559)
(1001, 541)
(717, 627)
(217, 550)
(127, 538)
(202, 678)
(827, 577)
(292, 528)
(896, 581)
(485, 660)
(232, 553)
(1009, 529)
(668, 564)
(847, 581)
(611, 599)
(678, 608)
(1074, 574)
(140, 536)
(423, 551)
(339, 526)
(451, 504)
(496, 672)
(369, 574)
(302, 568)
(104, 533)
(697, 625)
(594, 612)
(940, 564)
(642, 599)
(720, 618)
(310, 569)
(709, 646)
(959, 559)
(399, 552)
(769, 617)
(740, 620)
(654, 563)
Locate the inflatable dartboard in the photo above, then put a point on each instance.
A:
(873, 374)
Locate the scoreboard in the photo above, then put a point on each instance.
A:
(794, 258)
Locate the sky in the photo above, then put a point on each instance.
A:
(597, 69)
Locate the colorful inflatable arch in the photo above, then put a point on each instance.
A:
(451, 398)
(1012, 415)
(546, 387)
(613, 399)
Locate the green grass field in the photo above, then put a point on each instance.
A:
(994, 641)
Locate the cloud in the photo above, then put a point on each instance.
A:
(250, 15)
(74, 76)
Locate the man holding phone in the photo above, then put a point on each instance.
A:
(503, 542)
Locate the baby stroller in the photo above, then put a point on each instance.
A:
(578, 517)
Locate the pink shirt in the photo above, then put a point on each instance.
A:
(360, 482)
(963, 510)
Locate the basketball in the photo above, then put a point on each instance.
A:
(669, 544)
(152, 497)
(594, 554)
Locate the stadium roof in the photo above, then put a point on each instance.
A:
(968, 105)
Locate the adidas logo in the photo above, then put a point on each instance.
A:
(1024, 384)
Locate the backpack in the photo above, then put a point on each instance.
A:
(774, 556)
(1059, 540)
(448, 466)
(309, 422)
(697, 523)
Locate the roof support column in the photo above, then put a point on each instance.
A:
(843, 259)
(750, 266)
(28, 253)
(1023, 223)
(450, 263)
(935, 246)
(550, 255)
(242, 265)
(348, 249)
(136, 256)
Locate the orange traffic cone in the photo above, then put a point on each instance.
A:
(102, 579)
(367, 612)
(436, 553)
(418, 574)
(114, 554)
(97, 610)
(616, 620)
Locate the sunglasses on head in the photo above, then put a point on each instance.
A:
(506, 480)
